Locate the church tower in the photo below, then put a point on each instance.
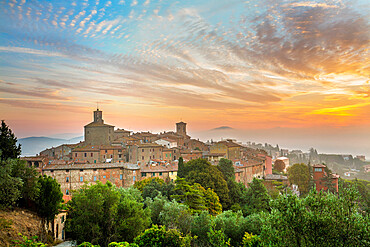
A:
(181, 128)
(97, 132)
(98, 116)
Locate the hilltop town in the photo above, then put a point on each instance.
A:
(123, 157)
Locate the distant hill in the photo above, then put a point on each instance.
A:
(34, 145)
(222, 128)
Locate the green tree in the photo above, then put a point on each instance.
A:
(141, 184)
(197, 197)
(233, 225)
(176, 215)
(250, 240)
(200, 227)
(156, 206)
(18, 183)
(130, 219)
(153, 188)
(217, 238)
(226, 167)
(189, 195)
(180, 168)
(299, 174)
(101, 213)
(320, 219)
(10, 187)
(257, 198)
(158, 237)
(29, 176)
(8, 143)
(49, 199)
(208, 176)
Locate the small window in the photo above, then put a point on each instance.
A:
(85, 154)
(120, 176)
(143, 174)
(81, 179)
(171, 173)
(153, 174)
(92, 154)
(81, 170)
(67, 170)
(111, 156)
(104, 176)
(67, 179)
(134, 178)
(62, 220)
(120, 156)
(153, 156)
(75, 154)
(142, 157)
(67, 192)
(106, 151)
(94, 178)
(160, 174)
(318, 170)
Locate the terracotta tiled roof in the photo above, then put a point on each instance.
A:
(213, 154)
(98, 124)
(229, 144)
(96, 148)
(319, 165)
(159, 168)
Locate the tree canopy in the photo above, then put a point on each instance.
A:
(299, 174)
(202, 172)
(49, 199)
(257, 198)
(8, 143)
(101, 213)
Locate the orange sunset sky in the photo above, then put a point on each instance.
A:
(289, 72)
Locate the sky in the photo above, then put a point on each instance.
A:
(290, 72)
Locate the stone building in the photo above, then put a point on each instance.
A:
(188, 155)
(97, 132)
(99, 154)
(228, 147)
(193, 144)
(72, 176)
(144, 152)
(318, 177)
(165, 171)
(167, 142)
(246, 171)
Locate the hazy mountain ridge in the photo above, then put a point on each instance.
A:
(34, 145)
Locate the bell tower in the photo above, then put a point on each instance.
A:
(181, 128)
(98, 116)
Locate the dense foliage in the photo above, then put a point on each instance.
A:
(299, 174)
(202, 172)
(101, 213)
(8, 143)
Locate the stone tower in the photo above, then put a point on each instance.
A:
(98, 116)
(97, 132)
(181, 128)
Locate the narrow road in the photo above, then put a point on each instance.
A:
(66, 244)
